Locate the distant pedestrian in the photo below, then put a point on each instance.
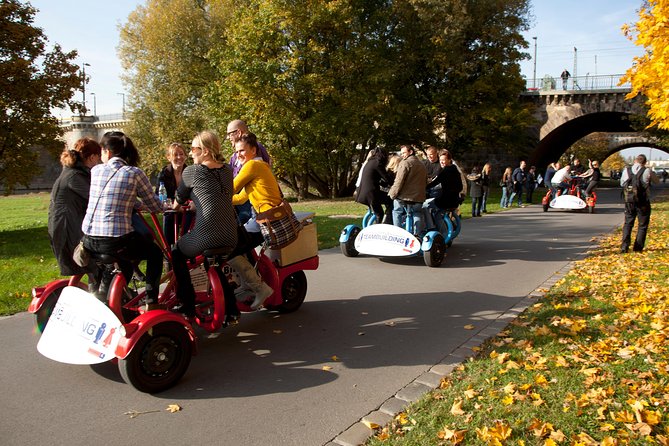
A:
(530, 184)
(475, 191)
(565, 77)
(519, 178)
(639, 207)
(507, 187)
(485, 182)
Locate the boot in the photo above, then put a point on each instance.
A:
(261, 290)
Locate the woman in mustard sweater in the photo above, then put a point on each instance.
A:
(255, 181)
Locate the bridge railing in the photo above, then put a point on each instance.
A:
(578, 83)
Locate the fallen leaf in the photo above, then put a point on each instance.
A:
(371, 425)
(173, 408)
(326, 368)
(469, 327)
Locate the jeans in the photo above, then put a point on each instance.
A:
(504, 202)
(434, 217)
(477, 205)
(484, 199)
(243, 212)
(517, 192)
(401, 210)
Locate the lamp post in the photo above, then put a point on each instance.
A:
(83, 88)
(95, 107)
(534, 75)
(123, 106)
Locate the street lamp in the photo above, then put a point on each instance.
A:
(95, 108)
(534, 81)
(123, 107)
(83, 89)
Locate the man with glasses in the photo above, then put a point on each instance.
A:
(408, 190)
(235, 130)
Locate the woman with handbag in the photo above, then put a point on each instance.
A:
(67, 208)
(255, 182)
(115, 187)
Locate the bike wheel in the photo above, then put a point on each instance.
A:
(434, 256)
(159, 359)
(348, 247)
(293, 292)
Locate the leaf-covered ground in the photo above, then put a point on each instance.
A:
(587, 365)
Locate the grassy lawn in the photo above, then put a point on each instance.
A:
(26, 259)
(586, 365)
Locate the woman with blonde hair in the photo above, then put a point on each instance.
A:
(485, 185)
(507, 187)
(208, 183)
(69, 200)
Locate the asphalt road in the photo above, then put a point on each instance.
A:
(263, 383)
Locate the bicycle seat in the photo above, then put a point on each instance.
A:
(107, 259)
(223, 251)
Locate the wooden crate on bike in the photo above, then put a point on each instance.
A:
(304, 247)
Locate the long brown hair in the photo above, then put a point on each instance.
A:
(83, 149)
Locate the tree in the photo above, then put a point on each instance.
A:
(164, 48)
(321, 82)
(648, 75)
(592, 147)
(28, 92)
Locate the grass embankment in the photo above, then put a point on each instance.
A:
(588, 364)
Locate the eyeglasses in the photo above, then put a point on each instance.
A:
(232, 131)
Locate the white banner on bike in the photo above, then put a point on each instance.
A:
(386, 240)
(81, 330)
(567, 202)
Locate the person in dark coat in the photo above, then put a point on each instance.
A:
(475, 191)
(69, 199)
(170, 176)
(374, 177)
(451, 187)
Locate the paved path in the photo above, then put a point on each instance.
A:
(395, 328)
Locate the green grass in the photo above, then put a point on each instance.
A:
(585, 365)
(26, 259)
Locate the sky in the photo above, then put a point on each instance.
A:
(591, 26)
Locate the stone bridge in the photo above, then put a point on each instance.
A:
(565, 116)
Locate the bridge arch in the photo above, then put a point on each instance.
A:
(649, 144)
(555, 143)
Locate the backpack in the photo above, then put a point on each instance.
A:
(634, 191)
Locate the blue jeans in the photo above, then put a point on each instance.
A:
(505, 197)
(434, 217)
(477, 205)
(484, 201)
(401, 211)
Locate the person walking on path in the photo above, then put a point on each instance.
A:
(638, 207)
(519, 177)
(530, 184)
(485, 183)
(475, 191)
(565, 77)
(507, 186)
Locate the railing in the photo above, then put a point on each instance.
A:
(99, 118)
(579, 83)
